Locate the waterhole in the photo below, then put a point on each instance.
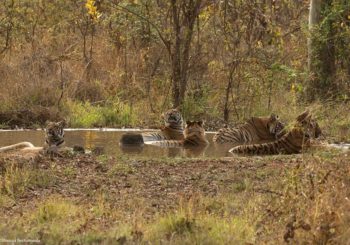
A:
(108, 139)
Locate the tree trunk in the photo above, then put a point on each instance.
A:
(227, 96)
(314, 19)
(184, 15)
(321, 53)
(175, 56)
(190, 17)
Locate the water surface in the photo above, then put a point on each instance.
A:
(109, 139)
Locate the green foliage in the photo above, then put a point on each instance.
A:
(57, 218)
(200, 229)
(83, 114)
(330, 47)
(94, 50)
(54, 210)
(15, 181)
(196, 104)
(177, 224)
(112, 113)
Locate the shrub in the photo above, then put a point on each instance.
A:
(112, 113)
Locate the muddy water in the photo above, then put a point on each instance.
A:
(108, 139)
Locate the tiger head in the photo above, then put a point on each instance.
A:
(55, 133)
(194, 128)
(173, 117)
(309, 125)
(275, 126)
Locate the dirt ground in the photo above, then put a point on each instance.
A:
(150, 188)
(159, 183)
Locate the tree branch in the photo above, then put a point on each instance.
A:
(164, 40)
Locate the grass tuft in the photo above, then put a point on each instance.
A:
(16, 181)
(112, 113)
(201, 221)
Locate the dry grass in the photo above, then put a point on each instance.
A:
(303, 199)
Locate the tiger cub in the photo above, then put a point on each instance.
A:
(294, 141)
(173, 130)
(254, 130)
(54, 140)
(194, 136)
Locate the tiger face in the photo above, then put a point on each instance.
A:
(309, 125)
(173, 117)
(194, 128)
(294, 141)
(194, 134)
(173, 130)
(55, 133)
(275, 126)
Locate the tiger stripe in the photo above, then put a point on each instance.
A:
(254, 130)
(292, 142)
(194, 134)
(173, 130)
(54, 139)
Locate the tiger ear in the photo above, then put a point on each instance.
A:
(188, 123)
(200, 123)
(273, 117)
(303, 116)
(62, 123)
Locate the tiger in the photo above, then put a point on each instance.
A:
(54, 141)
(173, 130)
(254, 130)
(194, 136)
(297, 139)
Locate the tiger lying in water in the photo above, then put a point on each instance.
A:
(298, 138)
(254, 130)
(173, 130)
(194, 136)
(54, 141)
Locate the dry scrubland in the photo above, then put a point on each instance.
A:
(246, 57)
(242, 59)
(301, 199)
(83, 199)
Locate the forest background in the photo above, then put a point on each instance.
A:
(122, 63)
